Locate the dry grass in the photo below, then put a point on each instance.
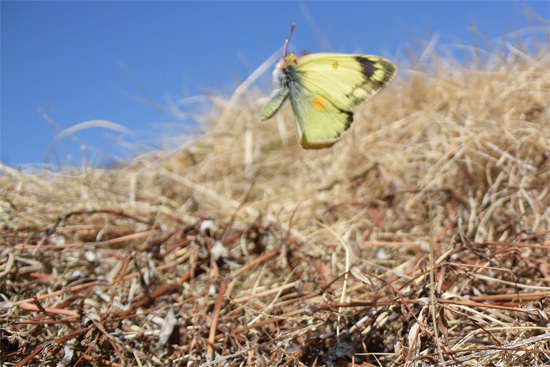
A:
(234, 250)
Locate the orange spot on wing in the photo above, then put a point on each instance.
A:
(335, 65)
(318, 103)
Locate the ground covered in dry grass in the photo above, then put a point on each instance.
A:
(421, 239)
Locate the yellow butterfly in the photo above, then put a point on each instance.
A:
(325, 89)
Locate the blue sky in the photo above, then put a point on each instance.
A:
(112, 60)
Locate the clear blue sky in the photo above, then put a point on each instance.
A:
(102, 60)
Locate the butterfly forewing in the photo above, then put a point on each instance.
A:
(346, 80)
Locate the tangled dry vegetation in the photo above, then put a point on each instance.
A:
(421, 239)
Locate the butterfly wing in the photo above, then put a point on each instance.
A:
(347, 81)
(319, 122)
(326, 88)
(275, 102)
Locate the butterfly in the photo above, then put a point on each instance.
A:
(324, 90)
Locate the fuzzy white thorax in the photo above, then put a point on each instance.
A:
(278, 75)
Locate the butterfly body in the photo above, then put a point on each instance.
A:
(324, 91)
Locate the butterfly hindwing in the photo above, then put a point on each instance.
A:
(319, 123)
(275, 102)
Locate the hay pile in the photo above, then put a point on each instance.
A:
(422, 237)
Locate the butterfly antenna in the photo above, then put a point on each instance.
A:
(288, 40)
